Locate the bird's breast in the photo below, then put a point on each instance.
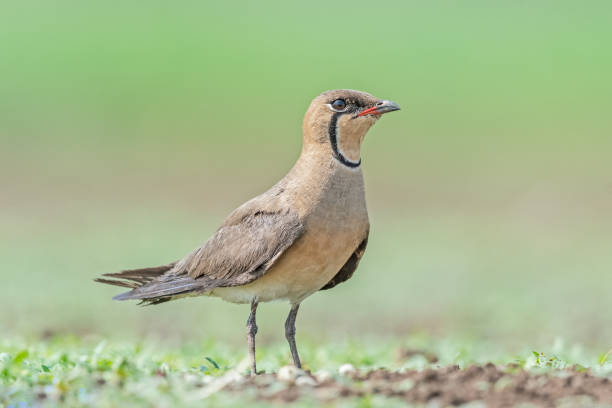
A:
(336, 221)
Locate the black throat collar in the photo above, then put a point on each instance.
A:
(333, 139)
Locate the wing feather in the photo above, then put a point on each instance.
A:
(346, 272)
(240, 251)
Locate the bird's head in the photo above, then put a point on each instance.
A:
(338, 121)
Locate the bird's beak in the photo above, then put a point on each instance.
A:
(380, 108)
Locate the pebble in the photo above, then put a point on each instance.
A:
(193, 379)
(305, 380)
(234, 378)
(347, 369)
(323, 376)
(288, 373)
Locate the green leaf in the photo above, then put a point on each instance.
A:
(5, 374)
(211, 361)
(580, 368)
(104, 364)
(23, 354)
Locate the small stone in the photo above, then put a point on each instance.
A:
(288, 373)
(347, 370)
(264, 380)
(403, 386)
(235, 378)
(192, 378)
(323, 376)
(305, 381)
(207, 379)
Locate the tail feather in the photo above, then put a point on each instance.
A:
(153, 285)
(143, 285)
(140, 276)
(131, 285)
(178, 285)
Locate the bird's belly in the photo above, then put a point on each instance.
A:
(305, 268)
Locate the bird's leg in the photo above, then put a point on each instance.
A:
(290, 334)
(251, 332)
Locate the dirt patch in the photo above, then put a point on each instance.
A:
(491, 385)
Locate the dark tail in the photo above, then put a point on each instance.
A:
(136, 279)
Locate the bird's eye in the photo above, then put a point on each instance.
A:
(339, 104)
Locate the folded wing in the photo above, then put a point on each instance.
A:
(250, 241)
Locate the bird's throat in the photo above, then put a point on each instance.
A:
(345, 149)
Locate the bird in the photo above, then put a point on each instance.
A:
(307, 233)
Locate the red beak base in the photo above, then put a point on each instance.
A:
(368, 111)
(380, 108)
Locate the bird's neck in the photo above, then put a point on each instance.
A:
(345, 137)
(318, 164)
(318, 176)
(335, 149)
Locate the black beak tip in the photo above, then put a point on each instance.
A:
(386, 106)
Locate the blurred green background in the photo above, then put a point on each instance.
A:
(130, 129)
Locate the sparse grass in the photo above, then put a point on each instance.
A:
(70, 372)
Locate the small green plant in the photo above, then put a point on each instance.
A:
(65, 372)
(604, 358)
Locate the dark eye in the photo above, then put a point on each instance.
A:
(338, 104)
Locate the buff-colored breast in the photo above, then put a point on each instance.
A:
(336, 221)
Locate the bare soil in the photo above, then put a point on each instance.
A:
(493, 386)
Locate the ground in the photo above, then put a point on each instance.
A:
(65, 371)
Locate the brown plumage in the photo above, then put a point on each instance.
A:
(346, 272)
(307, 233)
